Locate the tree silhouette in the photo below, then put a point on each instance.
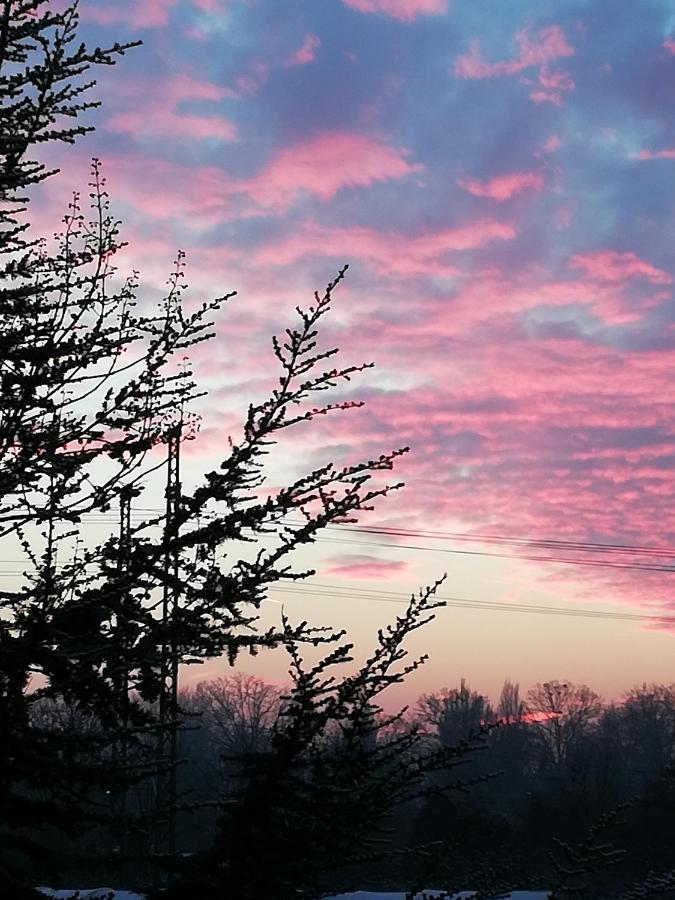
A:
(237, 711)
(314, 806)
(90, 396)
(561, 715)
(454, 713)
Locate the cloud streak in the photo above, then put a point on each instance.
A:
(403, 10)
(141, 14)
(548, 45)
(503, 187)
(166, 114)
(326, 163)
(500, 187)
(608, 265)
(361, 566)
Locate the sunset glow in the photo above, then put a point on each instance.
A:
(499, 177)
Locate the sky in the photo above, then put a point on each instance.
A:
(499, 177)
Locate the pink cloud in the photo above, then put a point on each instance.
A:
(158, 189)
(196, 34)
(506, 409)
(163, 118)
(549, 44)
(362, 566)
(465, 237)
(325, 164)
(504, 186)
(403, 10)
(552, 86)
(551, 144)
(667, 153)
(614, 267)
(132, 13)
(549, 414)
(321, 166)
(545, 412)
(669, 45)
(387, 252)
(473, 65)
(306, 53)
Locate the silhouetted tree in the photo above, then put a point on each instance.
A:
(89, 389)
(656, 884)
(576, 867)
(510, 708)
(227, 716)
(647, 724)
(454, 713)
(236, 710)
(510, 746)
(41, 348)
(561, 715)
(309, 808)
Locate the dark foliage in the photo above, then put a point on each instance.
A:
(89, 389)
(314, 806)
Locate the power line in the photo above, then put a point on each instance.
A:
(555, 560)
(549, 544)
(345, 593)
(544, 543)
(471, 537)
(548, 559)
(341, 592)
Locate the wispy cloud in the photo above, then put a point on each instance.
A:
(403, 10)
(132, 13)
(609, 265)
(306, 52)
(357, 566)
(390, 253)
(664, 153)
(503, 187)
(163, 111)
(549, 44)
(326, 163)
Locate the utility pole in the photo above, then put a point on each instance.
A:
(167, 755)
(121, 748)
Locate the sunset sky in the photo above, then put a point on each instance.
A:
(499, 176)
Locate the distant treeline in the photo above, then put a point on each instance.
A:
(550, 766)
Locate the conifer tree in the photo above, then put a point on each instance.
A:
(656, 884)
(88, 392)
(312, 809)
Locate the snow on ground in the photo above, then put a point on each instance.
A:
(429, 894)
(89, 894)
(104, 893)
